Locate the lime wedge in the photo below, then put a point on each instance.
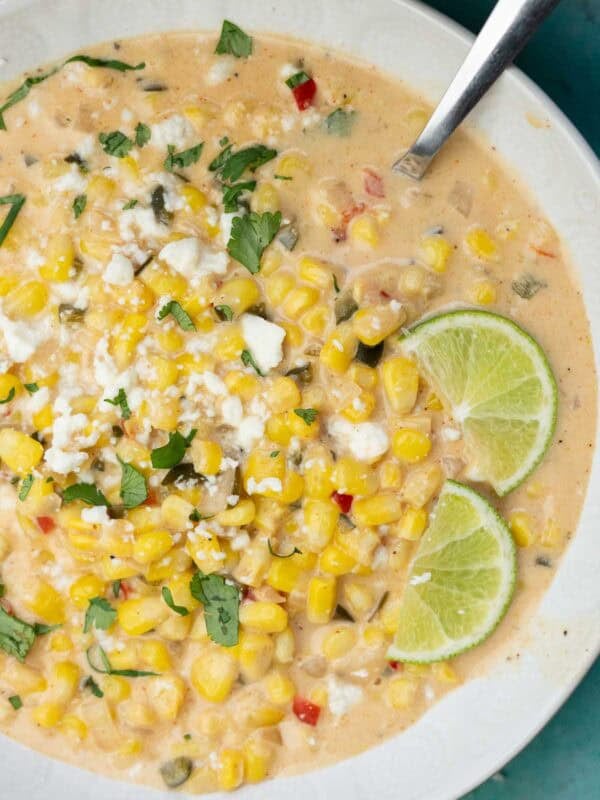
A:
(497, 383)
(460, 582)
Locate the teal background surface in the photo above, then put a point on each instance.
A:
(563, 58)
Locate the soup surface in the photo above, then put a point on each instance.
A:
(202, 299)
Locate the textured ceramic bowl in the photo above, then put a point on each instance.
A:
(478, 727)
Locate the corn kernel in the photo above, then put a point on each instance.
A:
(284, 647)
(373, 325)
(22, 679)
(213, 674)
(361, 407)
(84, 589)
(335, 561)
(435, 252)
(358, 597)
(141, 614)
(74, 725)
(26, 300)
(263, 616)
(320, 521)
(116, 689)
(194, 198)
(401, 693)
(155, 654)
(354, 477)
(293, 165)
(60, 259)
(278, 286)
(413, 524)
(410, 445)
(381, 509)
(239, 294)
(444, 673)
(338, 642)
(19, 452)
(279, 688)
(47, 603)
(9, 384)
(230, 769)
(265, 198)
(166, 694)
(151, 546)
(521, 527)
(321, 599)
(47, 715)
(257, 757)
(364, 230)
(401, 383)
(363, 376)
(206, 456)
(241, 514)
(255, 654)
(340, 348)
(481, 244)
(299, 300)
(483, 293)
(421, 484)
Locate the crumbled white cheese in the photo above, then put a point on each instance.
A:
(176, 130)
(23, 338)
(367, 441)
(249, 431)
(264, 340)
(63, 462)
(191, 259)
(232, 411)
(223, 68)
(86, 146)
(119, 271)
(450, 434)
(96, 515)
(72, 293)
(266, 485)
(287, 70)
(342, 696)
(144, 221)
(416, 580)
(71, 181)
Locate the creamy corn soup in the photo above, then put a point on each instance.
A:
(216, 460)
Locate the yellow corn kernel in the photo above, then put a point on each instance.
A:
(74, 726)
(320, 521)
(317, 272)
(390, 474)
(298, 300)
(9, 385)
(522, 528)
(364, 230)
(26, 300)
(206, 552)
(261, 465)
(335, 561)
(255, 654)
(155, 654)
(299, 426)
(284, 573)
(194, 198)
(401, 383)
(230, 769)
(137, 715)
(433, 403)
(321, 599)
(213, 674)
(47, 715)
(364, 376)
(481, 244)
(265, 716)
(116, 689)
(61, 643)
(401, 692)
(444, 673)
(64, 681)
(340, 348)
(151, 545)
(360, 408)
(373, 325)
(338, 642)
(412, 524)
(293, 165)
(284, 647)
(435, 252)
(165, 694)
(84, 588)
(171, 341)
(317, 473)
(22, 679)
(242, 384)
(19, 452)
(43, 418)
(283, 394)
(278, 430)
(319, 695)
(230, 343)
(279, 688)
(410, 445)
(206, 456)
(278, 286)
(164, 412)
(125, 658)
(374, 636)
(239, 294)
(164, 373)
(47, 603)
(141, 614)
(551, 535)
(239, 515)
(174, 512)
(116, 569)
(350, 476)
(257, 758)
(421, 484)
(265, 198)
(7, 282)
(60, 258)
(270, 262)
(358, 544)
(358, 597)
(381, 509)
(263, 616)
(483, 293)
(254, 562)
(163, 282)
(100, 189)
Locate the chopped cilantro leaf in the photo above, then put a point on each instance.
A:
(233, 41)
(250, 236)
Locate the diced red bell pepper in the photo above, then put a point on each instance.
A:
(395, 665)
(343, 501)
(47, 524)
(124, 590)
(304, 94)
(373, 183)
(306, 711)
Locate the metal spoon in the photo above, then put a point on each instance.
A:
(506, 31)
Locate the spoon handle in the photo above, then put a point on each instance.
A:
(506, 31)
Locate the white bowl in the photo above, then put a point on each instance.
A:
(477, 728)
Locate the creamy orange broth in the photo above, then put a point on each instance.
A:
(356, 221)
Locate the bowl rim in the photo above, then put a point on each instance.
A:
(578, 147)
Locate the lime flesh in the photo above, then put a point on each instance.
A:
(497, 384)
(460, 582)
